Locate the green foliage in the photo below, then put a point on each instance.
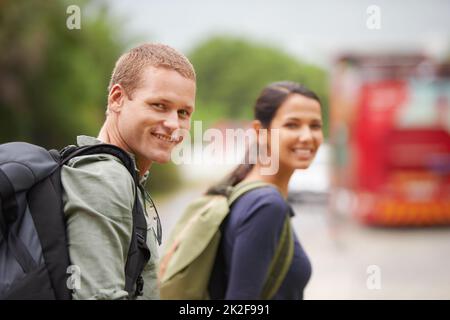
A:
(164, 178)
(231, 73)
(53, 80)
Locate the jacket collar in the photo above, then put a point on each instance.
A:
(88, 141)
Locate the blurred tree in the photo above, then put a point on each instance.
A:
(164, 178)
(53, 80)
(231, 73)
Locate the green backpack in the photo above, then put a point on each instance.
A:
(191, 250)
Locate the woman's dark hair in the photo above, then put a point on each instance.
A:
(266, 106)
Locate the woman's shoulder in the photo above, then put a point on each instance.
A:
(267, 199)
(267, 195)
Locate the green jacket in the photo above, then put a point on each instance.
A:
(98, 199)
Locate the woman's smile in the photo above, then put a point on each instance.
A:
(303, 153)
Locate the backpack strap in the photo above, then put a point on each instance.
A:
(8, 214)
(72, 151)
(8, 204)
(138, 252)
(280, 263)
(244, 187)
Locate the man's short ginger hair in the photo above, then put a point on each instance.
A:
(128, 69)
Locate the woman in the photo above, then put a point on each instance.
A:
(253, 227)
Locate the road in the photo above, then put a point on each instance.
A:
(351, 261)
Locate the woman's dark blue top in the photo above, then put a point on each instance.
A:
(250, 235)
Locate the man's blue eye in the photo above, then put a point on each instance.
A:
(184, 113)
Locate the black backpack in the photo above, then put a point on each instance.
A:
(34, 259)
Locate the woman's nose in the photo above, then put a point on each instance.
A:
(305, 134)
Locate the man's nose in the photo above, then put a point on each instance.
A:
(172, 121)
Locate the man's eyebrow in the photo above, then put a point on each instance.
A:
(170, 102)
(166, 101)
(190, 108)
(159, 99)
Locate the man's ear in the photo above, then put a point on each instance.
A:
(116, 98)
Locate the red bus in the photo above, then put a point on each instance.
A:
(390, 136)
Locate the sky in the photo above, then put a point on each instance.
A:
(315, 31)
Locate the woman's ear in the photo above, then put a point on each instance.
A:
(261, 133)
(116, 98)
(256, 125)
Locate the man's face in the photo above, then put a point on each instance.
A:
(149, 118)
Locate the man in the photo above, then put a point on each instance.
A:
(151, 97)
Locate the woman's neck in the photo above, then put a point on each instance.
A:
(280, 179)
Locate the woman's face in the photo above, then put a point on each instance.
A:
(299, 122)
